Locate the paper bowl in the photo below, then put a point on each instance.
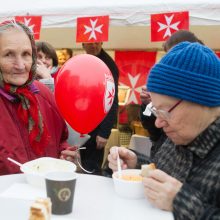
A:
(128, 188)
(36, 170)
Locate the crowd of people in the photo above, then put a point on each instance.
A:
(183, 121)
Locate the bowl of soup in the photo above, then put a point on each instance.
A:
(130, 184)
(35, 170)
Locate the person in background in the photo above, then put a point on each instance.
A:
(67, 52)
(157, 135)
(47, 61)
(30, 123)
(187, 180)
(92, 156)
(63, 55)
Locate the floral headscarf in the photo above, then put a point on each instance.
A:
(28, 110)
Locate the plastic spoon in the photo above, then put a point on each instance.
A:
(119, 165)
(15, 162)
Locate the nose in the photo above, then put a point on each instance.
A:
(160, 123)
(43, 60)
(19, 63)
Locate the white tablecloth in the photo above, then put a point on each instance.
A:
(95, 199)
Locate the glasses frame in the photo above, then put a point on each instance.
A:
(159, 113)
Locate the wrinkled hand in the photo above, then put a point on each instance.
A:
(70, 154)
(161, 189)
(145, 96)
(101, 142)
(128, 158)
(42, 72)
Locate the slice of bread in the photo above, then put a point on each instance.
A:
(145, 168)
(40, 209)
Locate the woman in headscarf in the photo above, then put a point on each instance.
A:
(185, 94)
(30, 124)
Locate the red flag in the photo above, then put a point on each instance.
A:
(164, 25)
(92, 29)
(33, 22)
(134, 67)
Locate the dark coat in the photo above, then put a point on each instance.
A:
(104, 129)
(197, 166)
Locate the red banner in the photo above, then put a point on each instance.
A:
(92, 29)
(164, 25)
(33, 22)
(134, 67)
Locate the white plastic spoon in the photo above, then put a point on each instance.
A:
(14, 161)
(119, 165)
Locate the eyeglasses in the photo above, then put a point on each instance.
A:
(159, 113)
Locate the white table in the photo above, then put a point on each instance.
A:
(95, 199)
(140, 144)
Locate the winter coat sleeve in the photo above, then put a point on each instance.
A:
(189, 204)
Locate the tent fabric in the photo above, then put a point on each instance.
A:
(63, 13)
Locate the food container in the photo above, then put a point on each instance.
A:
(35, 170)
(130, 185)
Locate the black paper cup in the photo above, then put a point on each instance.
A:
(60, 188)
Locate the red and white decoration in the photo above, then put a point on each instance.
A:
(33, 22)
(92, 29)
(134, 67)
(109, 92)
(164, 25)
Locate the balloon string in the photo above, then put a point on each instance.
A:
(80, 165)
(87, 171)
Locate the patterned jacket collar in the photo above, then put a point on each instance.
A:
(206, 140)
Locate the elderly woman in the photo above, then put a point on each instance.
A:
(30, 124)
(157, 135)
(185, 93)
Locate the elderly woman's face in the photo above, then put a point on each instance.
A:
(15, 56)
(186, 121)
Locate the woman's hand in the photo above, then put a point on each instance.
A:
(42, 72)
(161, 189)
(101, 142)
(127, 157)
(70, 154)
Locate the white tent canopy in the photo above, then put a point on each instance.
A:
(129, 19)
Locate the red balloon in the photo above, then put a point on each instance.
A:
(84, 92)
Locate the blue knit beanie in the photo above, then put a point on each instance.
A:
(189, 71)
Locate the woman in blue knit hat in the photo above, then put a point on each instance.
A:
(185, 92)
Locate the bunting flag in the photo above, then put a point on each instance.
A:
(164, 25)
(33, 22)
(92, 29)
